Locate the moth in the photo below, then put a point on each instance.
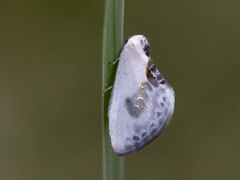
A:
(142, 101)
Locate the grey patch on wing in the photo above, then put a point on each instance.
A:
(166, 111)
(128, 148)
(128, 140)
(134, 108)
(136, 104)
(137, 128)
(147, 86)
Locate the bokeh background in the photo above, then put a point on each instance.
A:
(50, 88)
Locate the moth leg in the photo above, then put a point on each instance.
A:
(114, 62)
(105, 90)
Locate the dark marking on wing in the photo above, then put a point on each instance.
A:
(162, 104)
(164, 99)
(158, 114)
(153, 131)
(144, 134)
(152, 126)
(146, 46)
(161, 120)
(146, 49)
(145, 139)
(137, 145)
(153, 75)
(136, 138)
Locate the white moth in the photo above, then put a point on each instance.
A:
(142, 101)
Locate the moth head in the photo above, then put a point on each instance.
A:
(139, 43)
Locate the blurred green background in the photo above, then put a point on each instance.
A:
(50, 89)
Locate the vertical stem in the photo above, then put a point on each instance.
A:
(113, 166)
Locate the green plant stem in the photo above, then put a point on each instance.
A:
(113, 166)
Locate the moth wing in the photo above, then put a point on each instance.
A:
(141, 105)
